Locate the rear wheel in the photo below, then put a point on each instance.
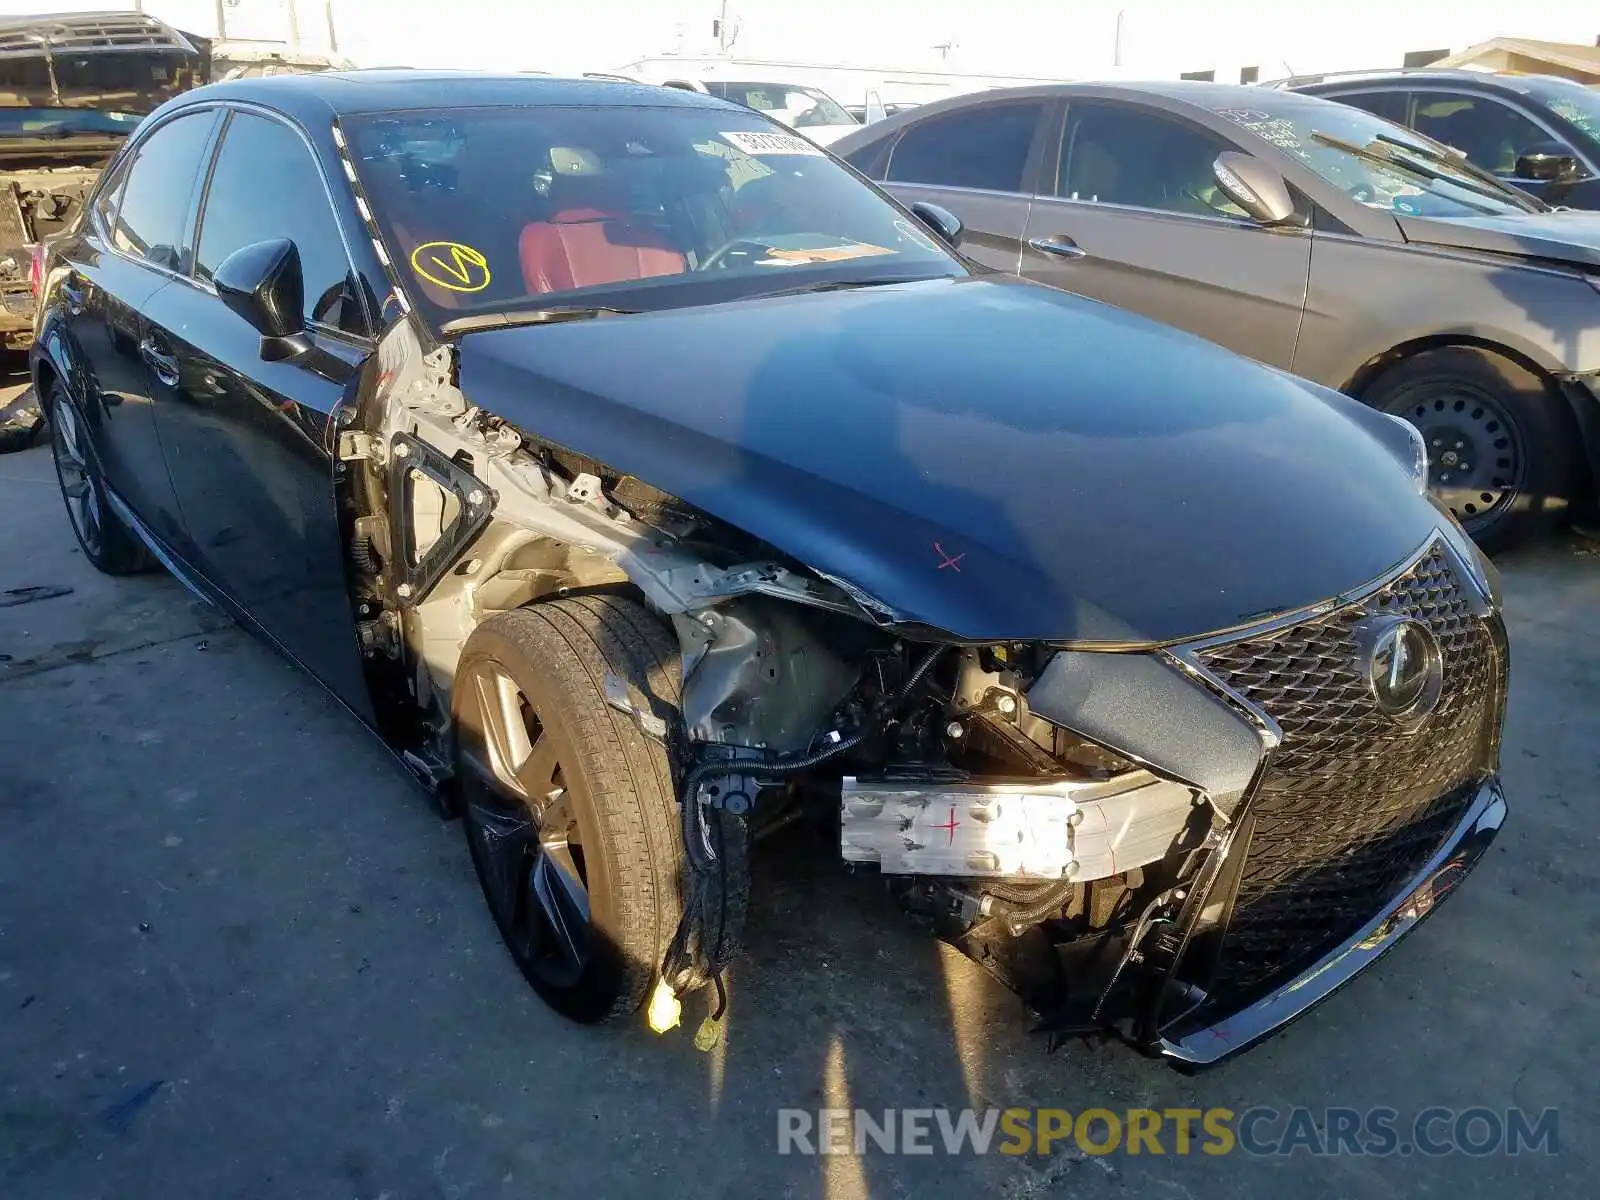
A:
(569, 807)
(107, 542)
(1501, 445)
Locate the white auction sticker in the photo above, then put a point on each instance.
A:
(771, 143)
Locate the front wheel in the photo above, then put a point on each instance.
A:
(569, 807)
(1501, 444)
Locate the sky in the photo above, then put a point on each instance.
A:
(1057, 38)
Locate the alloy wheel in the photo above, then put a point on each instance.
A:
(522, 827)
(78, 482)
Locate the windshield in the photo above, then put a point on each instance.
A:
(490, 210)
(1379, 164)
(1576, 103)
(797, 107)
(65, 122)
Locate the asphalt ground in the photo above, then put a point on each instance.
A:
(241, 957)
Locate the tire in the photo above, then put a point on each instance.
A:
(579, 771)
(1501, 444)
(107, 542)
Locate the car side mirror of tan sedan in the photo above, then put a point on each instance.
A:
(1254, 186)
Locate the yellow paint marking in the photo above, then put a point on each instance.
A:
(454, 266)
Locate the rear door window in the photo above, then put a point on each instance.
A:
(984, 147)
(871, 159)
(105, 204)
(153, 218)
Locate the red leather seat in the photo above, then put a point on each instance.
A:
(589, 242)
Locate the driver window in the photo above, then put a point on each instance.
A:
(266, 185)
(1492, 135)
(1115, 155)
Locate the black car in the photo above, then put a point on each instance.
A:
(1538, 132)
(647, 481)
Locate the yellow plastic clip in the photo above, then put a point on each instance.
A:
(708, 1035)
(665, 1011)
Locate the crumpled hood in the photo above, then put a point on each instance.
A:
(991, 457)
(1572, 237)
(115, 61)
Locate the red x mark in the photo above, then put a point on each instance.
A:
(951, 824)
(952, 563)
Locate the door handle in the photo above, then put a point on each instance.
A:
(1058, 244)
(164, 365)
(73, 297)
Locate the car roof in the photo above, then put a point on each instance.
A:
(1486, 80)
(1171, 94)
(317, 96)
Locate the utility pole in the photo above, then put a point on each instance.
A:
(222, 21)
(1116, 46)
(726, 32)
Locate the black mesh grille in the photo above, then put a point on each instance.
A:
(1353, 804)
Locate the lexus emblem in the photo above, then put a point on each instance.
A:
(1404, 668)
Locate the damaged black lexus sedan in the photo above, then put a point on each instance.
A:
(643, 477)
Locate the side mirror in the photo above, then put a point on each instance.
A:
(263, 284)
(943, 223)
(1548, 162)
(1254, 186)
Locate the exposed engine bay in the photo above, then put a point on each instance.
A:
(1026, 844)
(35, 204)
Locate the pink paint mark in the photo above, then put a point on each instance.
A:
(954, 563)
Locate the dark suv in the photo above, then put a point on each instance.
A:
(1537, 132)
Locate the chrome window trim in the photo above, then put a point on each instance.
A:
(951, 187)
(1241, 223)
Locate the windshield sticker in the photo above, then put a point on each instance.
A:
(822, 254)
(772, 143)
(914, 235)
(454, 266)
(1587, 120)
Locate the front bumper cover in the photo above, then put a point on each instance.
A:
(1460, 852)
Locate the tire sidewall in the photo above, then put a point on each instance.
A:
(55, 397)
(605, 967)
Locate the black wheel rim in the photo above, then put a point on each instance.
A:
(1476, 460)
(522, 826)
(78, 483)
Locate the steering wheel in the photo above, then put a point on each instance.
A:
(717, 260)
(1362, 193)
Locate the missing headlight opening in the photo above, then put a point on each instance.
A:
(1065, 817)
